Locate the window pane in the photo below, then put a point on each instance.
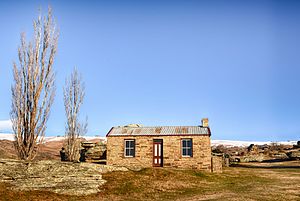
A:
(131, 143)
(184, 152)
(127, 143)
(189, 152)
(131, 152)
(189, 143)
(183, 143)
(127, 152)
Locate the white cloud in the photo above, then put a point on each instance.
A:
(5, 125)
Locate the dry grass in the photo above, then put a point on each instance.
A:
(236, 183)
(233, 184)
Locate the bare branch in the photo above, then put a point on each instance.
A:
(33, 90)
(74, 93)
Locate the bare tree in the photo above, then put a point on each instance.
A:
(33, 89)
(74, 92)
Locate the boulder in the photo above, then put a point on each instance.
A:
(294, 155)
(280, 156)
(94, 152)
(252, 158)
(253, 149)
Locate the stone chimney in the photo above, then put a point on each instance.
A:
(204, 122)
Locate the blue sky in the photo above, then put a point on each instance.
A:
(171, 63)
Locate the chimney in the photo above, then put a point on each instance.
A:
(204, 122)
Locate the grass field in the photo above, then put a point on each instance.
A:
(253, 182)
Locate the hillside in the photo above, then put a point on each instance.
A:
(48, 150)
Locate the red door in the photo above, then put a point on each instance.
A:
(157, 153)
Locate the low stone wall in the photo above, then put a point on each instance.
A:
(217, 164)
(59, 177)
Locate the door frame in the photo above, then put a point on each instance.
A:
(158, 141)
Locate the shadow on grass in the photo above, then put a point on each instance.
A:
(265, 167)
(276, 160)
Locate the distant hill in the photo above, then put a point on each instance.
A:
(236, 143)
(227, 143)
(10, 137)
(48, 150)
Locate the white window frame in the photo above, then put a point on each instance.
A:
(129, 148)
(186, 147)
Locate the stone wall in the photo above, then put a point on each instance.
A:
(217, 164)
(201, 158)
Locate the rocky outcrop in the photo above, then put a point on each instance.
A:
(252, 158)
(259, 153)
(59, 177)
(253, 149)
(294, 155)
(94, 152)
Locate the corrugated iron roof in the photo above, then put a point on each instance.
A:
(158, 131)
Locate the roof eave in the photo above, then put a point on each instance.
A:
(209, 131)
(109, 131)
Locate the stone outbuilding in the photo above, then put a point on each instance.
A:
(162, 146)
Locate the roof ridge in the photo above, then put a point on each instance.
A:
(154, 126)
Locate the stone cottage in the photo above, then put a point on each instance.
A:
(162, 146)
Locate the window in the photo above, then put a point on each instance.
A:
(129, 150)
(187, 147)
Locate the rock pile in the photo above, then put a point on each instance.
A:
(94, 152)
(59, 177)
(259, 153)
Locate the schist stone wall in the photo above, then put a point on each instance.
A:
(217, 164)
(172, 157)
